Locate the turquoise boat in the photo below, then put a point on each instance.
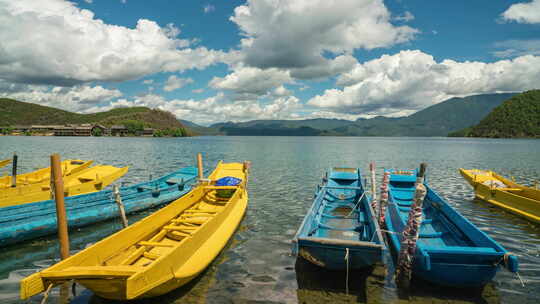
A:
(340, 231)
(29, 221)
(450, 251)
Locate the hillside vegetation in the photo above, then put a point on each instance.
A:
(517, 117)
(13, 112)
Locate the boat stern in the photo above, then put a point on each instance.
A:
(31, 286)
(338, 254)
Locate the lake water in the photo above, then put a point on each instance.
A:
(257, 267)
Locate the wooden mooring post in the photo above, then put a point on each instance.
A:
(121, 210)
(200, 167)
(411, 232)
(58, 186)
(14, 171)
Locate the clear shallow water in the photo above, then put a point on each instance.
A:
(256, 266)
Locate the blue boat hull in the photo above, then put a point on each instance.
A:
(340, 232)
(29, 221)
(451, 251)
(332, 256)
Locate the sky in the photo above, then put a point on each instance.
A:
(216, 61)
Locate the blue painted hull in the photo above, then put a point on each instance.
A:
(451, 251)
(29, 221)
(340, 231)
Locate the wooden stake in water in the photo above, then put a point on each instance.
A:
(200, 167)
(14, 171)
(118, 200)
(61, 219)
(411, 232)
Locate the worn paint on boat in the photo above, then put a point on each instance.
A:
(42, 176)
(450, 250)
(159, 253)
(4, 162)
(504, 193)
(340, 230)
(86, 181)
(28, 221)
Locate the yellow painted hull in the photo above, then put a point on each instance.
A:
(85, 181)
(43, 175)
(499, 191)
(4, 162)
(159, 253)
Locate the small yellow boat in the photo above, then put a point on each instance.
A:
(85, 181)
(504, 193)
(161, 252)
(69, 167)
(4, 162)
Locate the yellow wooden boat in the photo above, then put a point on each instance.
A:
(4, 162)
(159, 253)
(86, 181)
(43, 175)
(504, 193)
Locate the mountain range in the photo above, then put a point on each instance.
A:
(436, 120)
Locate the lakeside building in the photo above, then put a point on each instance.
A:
(75, 130)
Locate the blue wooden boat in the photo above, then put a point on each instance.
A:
(29, 221)
(340, 230)
(450, 250)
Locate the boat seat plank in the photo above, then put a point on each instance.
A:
(173, 181)
(461, 250)
(431, 235)
(92, 271)
(145, 187)
(328, 241)
(154, 244)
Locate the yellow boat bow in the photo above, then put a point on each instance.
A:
(4, 162)
(88, 180)
(504, 193)
(161, 252)
(43, 175)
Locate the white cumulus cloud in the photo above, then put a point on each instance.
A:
(411, 80)
(77, 98)
(217, 108)
(297, 34)
(250, 80)
(526, 12)
(55, 42)
(174, 83)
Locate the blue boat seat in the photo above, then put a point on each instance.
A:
(321, 225)
(431, 235)
(173, 181)
(462, 250)
(145, 187)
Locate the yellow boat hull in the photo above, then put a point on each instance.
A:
(159, 253)
(4, 162)
(499, 191)
(85, 181)
(43, 175)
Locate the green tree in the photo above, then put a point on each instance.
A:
(97, 132)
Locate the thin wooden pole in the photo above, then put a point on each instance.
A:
(58, 183)
(14, 171)
(200, 166)
(118, 200)
(374, 204)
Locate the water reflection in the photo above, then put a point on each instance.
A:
(285, 172)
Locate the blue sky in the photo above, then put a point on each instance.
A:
(212, 61)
